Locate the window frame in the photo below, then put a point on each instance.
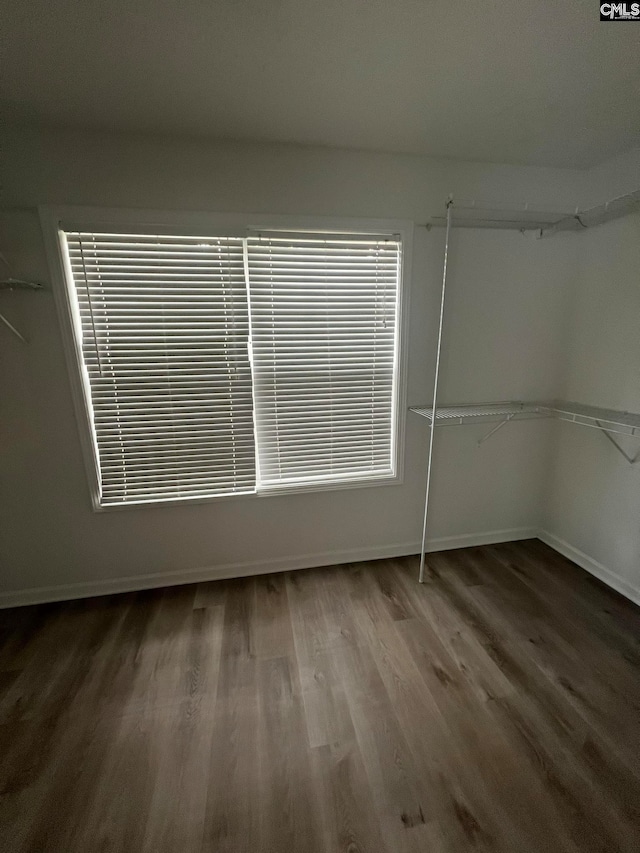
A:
(55, 218)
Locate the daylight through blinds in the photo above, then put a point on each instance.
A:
(222, 365)
(323, 324)
(164, 342)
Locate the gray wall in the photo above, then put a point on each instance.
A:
(508, 312)
(593, 503)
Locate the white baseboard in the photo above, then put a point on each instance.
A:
(88, 589)
(491, 537)
(590, 565)
(132, 583)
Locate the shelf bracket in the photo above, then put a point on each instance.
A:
(630, 459)
(495, 429)
(13, 329)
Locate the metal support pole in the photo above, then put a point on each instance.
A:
(435, 393)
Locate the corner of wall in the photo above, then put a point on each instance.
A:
(592, 500)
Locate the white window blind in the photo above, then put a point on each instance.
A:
(324, 345)
(164, 336)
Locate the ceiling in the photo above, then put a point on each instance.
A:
(528, 81)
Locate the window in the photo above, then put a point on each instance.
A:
(218, 365)
(323, 327)
(164, 335)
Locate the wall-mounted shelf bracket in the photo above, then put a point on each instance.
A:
(495, 429)
(16, 284)
(630, 459)
(13, 329)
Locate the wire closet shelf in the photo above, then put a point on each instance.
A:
(471, 214)
(609, 421)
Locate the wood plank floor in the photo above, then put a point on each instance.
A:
(495, 708)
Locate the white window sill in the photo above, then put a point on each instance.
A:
(265, 492)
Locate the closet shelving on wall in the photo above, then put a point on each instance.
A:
(15, 284)
(526, 218)
(610, 422)
(607, 420)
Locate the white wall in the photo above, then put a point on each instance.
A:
(612, 178)
(593, 507)
(507, 310)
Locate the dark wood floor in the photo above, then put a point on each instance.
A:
(495, 708)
